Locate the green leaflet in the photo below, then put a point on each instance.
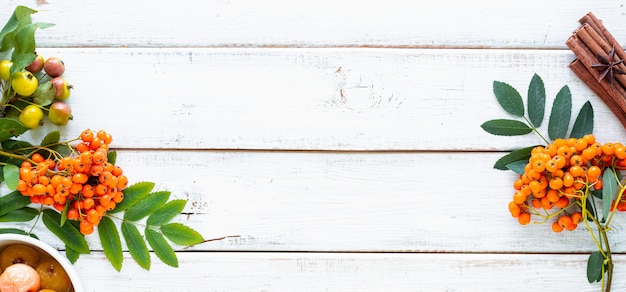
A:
(516, 155)
(16, 231)
(181, 234)
(505, 127)
(594, 267)
(609, 189)
(67, 233)
(509, 98)
(518, 166)
(11, 128)
(161, 247)
(166, 212)
(584, 122)
(111, 243)
(112, 157)
(560, 114)
(536, 101)
(133, 194)
(147, 206)
(71, 254)
(136, 245)
(13, 201)
(20, 215)
(11, 175)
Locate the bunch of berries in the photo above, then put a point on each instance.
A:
(558, 175)
(85, 182)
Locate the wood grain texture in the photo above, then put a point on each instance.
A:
(249, 23)
(339, 141)
(311, 99)
(353, 272)
(419, 202)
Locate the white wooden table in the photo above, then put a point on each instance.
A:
(340, 140)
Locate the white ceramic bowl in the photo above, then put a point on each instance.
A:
(9, 239)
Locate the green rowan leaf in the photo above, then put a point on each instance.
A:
(594, 267)
(112, 157)
(71, 254)
(133, 194)
(17, 231)
(505, 127)
(136, 245)
(161, 247)
(67, 233)
(609, 189)
(166, 213)
(517, 166)
(111, 243)
(513, 156)
(584, 122)
(13, 201)
(181, 234)
(561, 114)
(20, 215)
(11, 174)
(509, 98)
(147, 206)
(536, 101)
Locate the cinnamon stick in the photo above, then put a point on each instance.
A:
(581, 71)
(588, 42)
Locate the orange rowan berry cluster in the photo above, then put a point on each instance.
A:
(85, 182)
(558, 174)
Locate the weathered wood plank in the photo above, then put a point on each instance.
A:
(249, 23)
(305, 201)
(349, 272)
(311, 99)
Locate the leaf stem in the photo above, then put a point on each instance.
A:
(535, 130)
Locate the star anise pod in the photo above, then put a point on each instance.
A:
(608, 66)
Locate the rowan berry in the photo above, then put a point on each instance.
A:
(562, 203)
(565, 151)
(594, 172)
(86, 227)
(534, 186)
(556, 227)
(553, 196)
(565, 221)
(86, 135)
(556, 183)
(576, 170)
(552, 166)
(620, 152)
(37, 158)
(576, 160)
(92, 216)
(577, 217)
(580, 144)
(608, 149)
(524, 218)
